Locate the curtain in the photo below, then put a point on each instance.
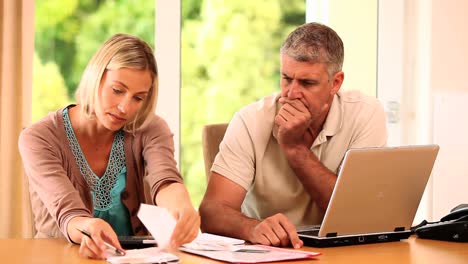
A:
(16, 53)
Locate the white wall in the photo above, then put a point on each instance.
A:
(404, 75)
(449, 68)
(423, 61)
(450, 175)
(356, 23)
(421, 72)
(167, 52)
(390, 61)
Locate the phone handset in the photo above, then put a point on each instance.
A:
(460, 212)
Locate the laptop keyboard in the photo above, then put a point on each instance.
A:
(310, 230)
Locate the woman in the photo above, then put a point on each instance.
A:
(87, 163)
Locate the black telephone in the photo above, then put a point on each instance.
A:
(452, 227)
(456, 213)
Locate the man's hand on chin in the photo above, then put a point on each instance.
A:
(293, 121)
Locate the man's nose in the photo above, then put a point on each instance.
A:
(294, 91)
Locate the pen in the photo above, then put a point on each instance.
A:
(109, 246)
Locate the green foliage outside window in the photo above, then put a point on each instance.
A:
(68, 32)
(230, 57)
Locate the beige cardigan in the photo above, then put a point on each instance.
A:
(59, 192)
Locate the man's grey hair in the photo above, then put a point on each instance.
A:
(316, 43)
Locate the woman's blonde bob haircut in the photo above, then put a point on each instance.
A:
(119, 51)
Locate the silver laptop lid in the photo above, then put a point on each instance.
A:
(378, 190)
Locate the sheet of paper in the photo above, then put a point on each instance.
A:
(145, 255)
(207, 237)
(254, 254)
(159, 222)
(206, 241)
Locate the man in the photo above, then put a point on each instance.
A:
(277, 164)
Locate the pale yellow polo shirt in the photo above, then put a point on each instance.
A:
(251, 157)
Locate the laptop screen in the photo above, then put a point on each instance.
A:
(378, 189)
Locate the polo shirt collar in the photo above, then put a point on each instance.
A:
(334, 120)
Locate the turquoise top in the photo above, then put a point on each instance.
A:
(107, 189)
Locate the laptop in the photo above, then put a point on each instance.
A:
(376, 196)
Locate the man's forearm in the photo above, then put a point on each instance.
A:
(224, 220)
(317, 179)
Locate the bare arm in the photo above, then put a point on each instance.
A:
(220, 209)
(317, 179)
(295, 138)
(221, 214)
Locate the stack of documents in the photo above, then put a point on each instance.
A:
(235, 251)
(161, 224)
(252, 254)
(206, 241)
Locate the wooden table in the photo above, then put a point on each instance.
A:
(413, 250)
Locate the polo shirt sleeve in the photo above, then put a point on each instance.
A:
(236, 159)
(373, 128)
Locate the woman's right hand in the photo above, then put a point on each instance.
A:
(99, 230)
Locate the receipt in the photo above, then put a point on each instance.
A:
(159, 222)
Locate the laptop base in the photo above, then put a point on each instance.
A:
(314, 241)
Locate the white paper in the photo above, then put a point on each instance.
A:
(207, 237)
(206, 241)
(159, 222)
(145, 255)
(253, 254)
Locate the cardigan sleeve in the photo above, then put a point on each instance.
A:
(43, 164)
(158, 153)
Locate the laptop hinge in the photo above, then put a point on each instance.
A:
(399, 229)
(333, 234)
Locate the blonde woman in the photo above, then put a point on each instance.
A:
(86, 163)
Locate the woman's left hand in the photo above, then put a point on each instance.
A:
(187, 227)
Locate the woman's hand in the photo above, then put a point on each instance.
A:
(187, 227)
(99, 230)
(174, 197)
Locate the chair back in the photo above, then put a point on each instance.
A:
(27, 221)
(212, 135)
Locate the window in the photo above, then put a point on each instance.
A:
(68, 32)
(229, 53)
(230, 58)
